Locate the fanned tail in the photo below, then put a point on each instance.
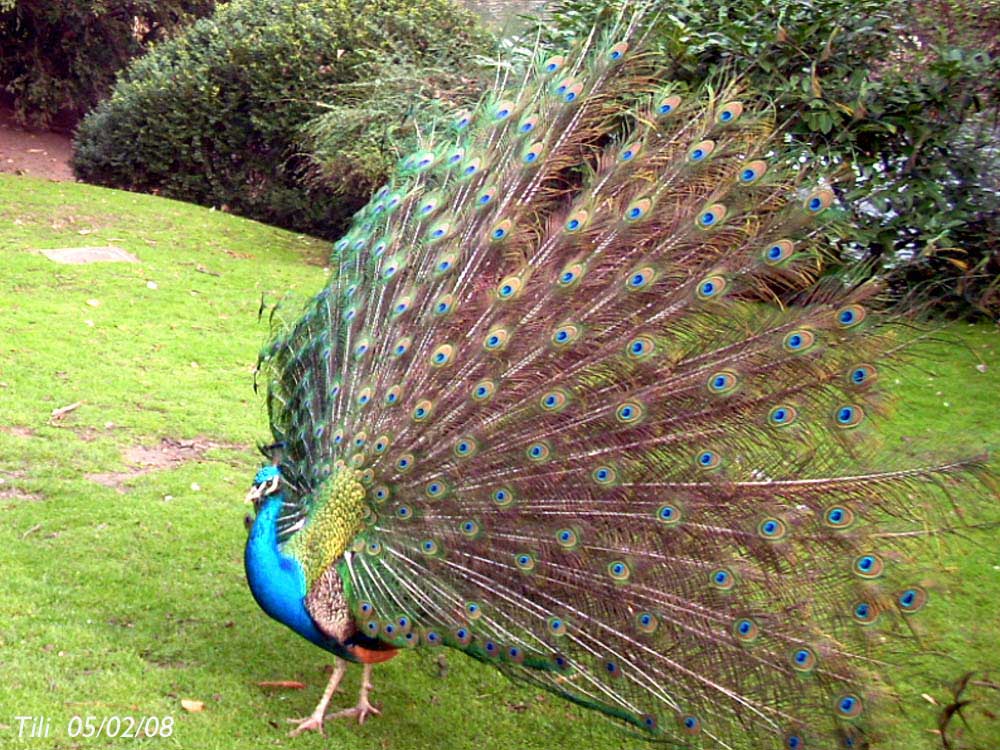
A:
(598, 453)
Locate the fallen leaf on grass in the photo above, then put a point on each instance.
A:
(194, 707)
(61, 412)
(282, 684)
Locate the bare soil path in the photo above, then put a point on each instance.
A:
(39, 154)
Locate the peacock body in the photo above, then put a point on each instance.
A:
(545, 414)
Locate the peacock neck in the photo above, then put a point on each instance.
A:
(276, 580)
(336, 517)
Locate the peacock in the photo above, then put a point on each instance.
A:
(578, 402)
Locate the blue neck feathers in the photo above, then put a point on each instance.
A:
(276, 580)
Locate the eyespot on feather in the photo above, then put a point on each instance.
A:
(798, 341)
(711, 287)
(848, 415)
(496, 339)
(503, 109)
(501, 230)
(862, 375)
(617, 52)
(712, 216)
(576, 220)
(442, 355)
(638, 209)
(778, 252)
(630, 151)
(752, 171)
(667, 106)
(509, 287)
(782, 415)
(850, 316)
(554, 63)
(818, 201)
(700, 151)
(532, 153)
(722, 382)
(422, 411)
(730, 113)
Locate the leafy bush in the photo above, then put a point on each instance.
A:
(372, 123)
(899, 100)
(59, 57)
(216, 115)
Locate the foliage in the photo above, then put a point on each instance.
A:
(898, 100)
(126, 603)
(59, 57)
(368, 125)
(214, 116)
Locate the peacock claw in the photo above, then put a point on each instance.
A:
(312, 723)
(363, 710)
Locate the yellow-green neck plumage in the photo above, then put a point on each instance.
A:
(335, 520)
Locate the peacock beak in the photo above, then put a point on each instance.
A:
(262, 490)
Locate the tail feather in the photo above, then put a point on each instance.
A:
(598, 454)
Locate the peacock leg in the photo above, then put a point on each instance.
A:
(314, 722)
(364, 708)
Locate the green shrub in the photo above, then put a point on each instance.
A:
(215, 116)
(59, 57)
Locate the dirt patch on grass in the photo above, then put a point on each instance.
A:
(168, 454)
(17, 431)
(14, 493)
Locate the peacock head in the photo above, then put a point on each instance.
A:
(266, 483)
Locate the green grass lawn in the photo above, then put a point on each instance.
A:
(124, 598)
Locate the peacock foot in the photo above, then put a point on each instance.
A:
(363, 710)
(364, 707)
(312, 723)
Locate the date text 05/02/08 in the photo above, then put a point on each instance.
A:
(33, 727)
